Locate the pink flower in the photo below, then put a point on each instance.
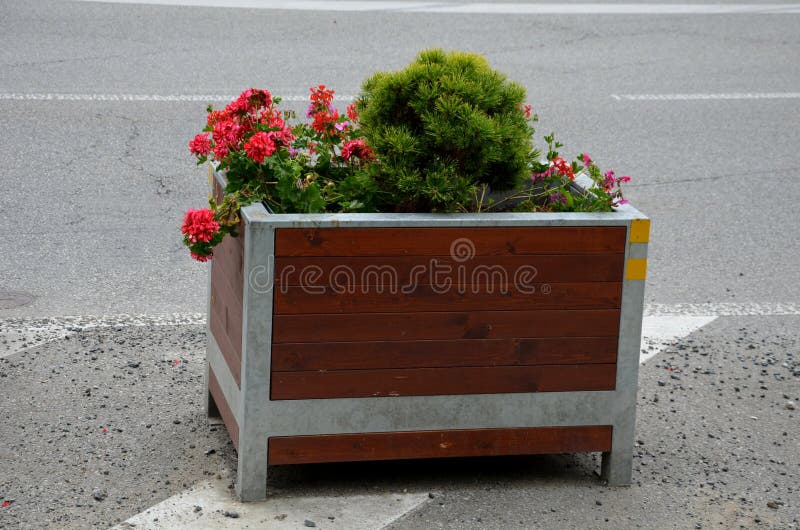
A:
(586, 159)
(259, 147)
(624, 179)
(358, 149)
(527, 111)
(610, 180)
(199, 226)
(536, 177)
(202, 259)
(201, 145)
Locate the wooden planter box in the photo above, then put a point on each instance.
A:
(332, 338)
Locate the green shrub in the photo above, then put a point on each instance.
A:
(442, 127)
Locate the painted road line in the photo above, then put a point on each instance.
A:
(723, 309)
(351, 512)
(173, 98)
(209, 98)
(704, 97)
(488, 8)
(659, 332)
(17, 334)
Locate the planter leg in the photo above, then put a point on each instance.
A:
(212, 411)
(617, 465)
(251, 482)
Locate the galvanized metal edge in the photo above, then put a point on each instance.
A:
(256, 356)
(411, 413)
(617, 464)
(224, 377)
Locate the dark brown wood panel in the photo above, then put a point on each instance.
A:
(442, 381)
(231, 354)
(367, 299)
(438, 444)
(224, 408)
(229, 255)
(438, 241)
(445, 326)
(227, 302)
(225, 311)
(398, 271)
(442, 353)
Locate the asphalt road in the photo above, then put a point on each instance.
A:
(95, 186)
(94, 191)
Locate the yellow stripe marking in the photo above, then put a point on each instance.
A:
(640, 230)
(210, 176)
(636, 269)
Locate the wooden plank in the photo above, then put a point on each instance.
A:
(399, 271)
(438, 444)
(224, 408)
(442, 381)
(230, 352)
(438, 241)
(225, 314)
(229, 257)
(229, 307)
(445, 326)
(490, 297)
(441, 353)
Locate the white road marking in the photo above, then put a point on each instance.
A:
(658, 332)
(723, 309)
(208, 98)
(703, 97)
(352, 512)
(180, 98)
(500, 8)
(17, 334)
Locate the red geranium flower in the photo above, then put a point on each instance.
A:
(357, 148)
(199, 225)
(564, 167)
(259, 147)
(201, 145)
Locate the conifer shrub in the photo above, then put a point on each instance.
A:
(444, 127)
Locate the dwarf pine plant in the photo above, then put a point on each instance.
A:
(436, 136)
(443, 127)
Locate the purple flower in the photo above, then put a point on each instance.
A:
(536, 177)
(558, 197)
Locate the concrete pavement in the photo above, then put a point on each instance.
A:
(103, 425)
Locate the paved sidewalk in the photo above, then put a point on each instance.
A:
(101, 425)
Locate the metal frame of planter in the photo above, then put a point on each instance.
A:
(305, 426)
